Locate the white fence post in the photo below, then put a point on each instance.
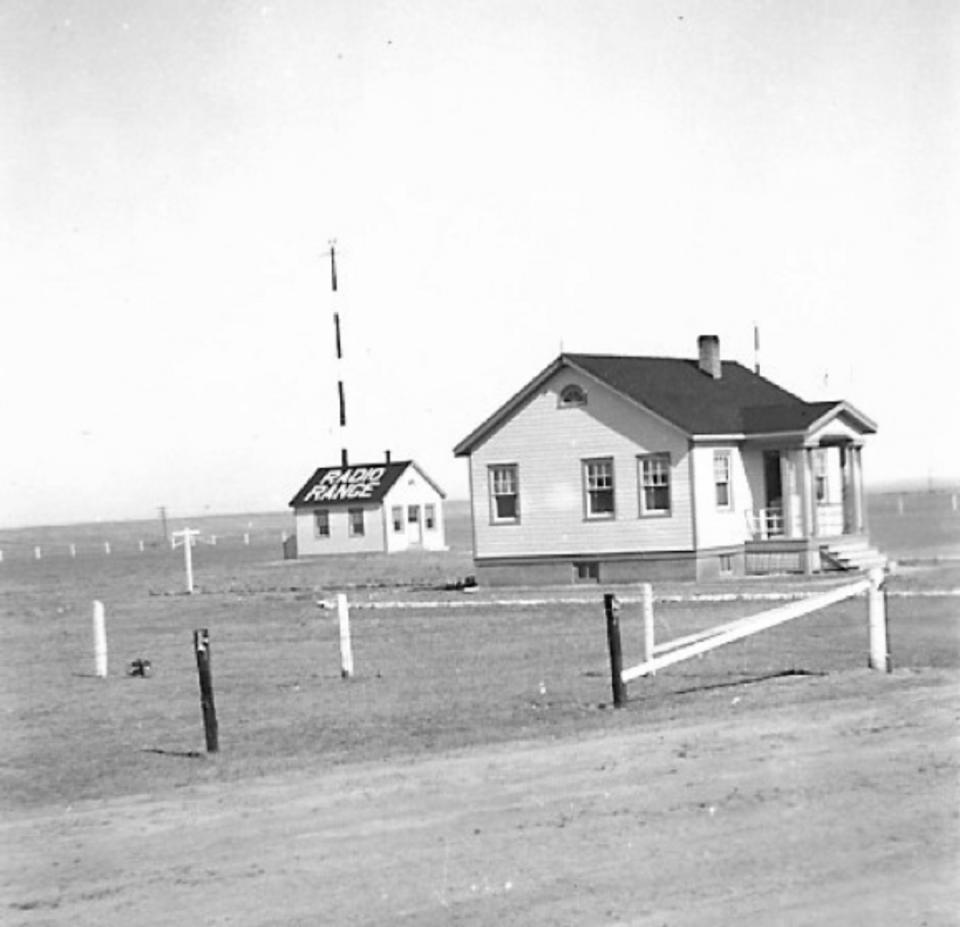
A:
(346, 652)
(73, 550)
(877, 614)
(186, 537)
(106, 547)
(37, 553)
(99, 641)
(646, 593)
(246, 539)
(1, 556)
(140, 545)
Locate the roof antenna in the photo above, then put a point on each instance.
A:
(341, 397)
(756, 348)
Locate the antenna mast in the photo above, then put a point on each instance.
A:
(341, 397)
(756, 348)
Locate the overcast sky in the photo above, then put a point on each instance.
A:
(502, 178)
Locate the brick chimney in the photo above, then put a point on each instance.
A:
(709, 362)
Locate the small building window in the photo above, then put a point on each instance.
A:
(413, 514)
(572, 396)
(598, 488)
(726, 563)
(396, 515)
(430, 516)
(820, 474)
(586, 572)
(504, 494)
(721, 480)
(356, 522)
(654, 481)
(321, 523)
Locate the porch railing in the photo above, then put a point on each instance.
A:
(766, 523)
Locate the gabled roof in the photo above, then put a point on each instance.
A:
(739, 402)
(340, 486)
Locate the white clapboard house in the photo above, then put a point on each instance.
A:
(376, 507)
(617, 469)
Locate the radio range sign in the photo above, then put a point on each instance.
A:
(354, 483)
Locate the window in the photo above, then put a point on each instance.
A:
(721, 479)
(598, 486)
(504, 494)
(726, 563)
(586, 572)
(572, 396)
(321, 523)
(430, 516)
(396, 515)
(356, 522)
(413, 514)
(820, 474)
(655, 484)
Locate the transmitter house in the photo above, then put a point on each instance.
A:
(608, 468)
(373, 508)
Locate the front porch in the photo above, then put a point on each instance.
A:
(810, 511)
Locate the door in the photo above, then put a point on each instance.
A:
(772, 516)
(414, 526)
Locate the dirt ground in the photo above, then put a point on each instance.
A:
(818, 812)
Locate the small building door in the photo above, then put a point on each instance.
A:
(414, 526)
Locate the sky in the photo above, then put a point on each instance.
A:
(504, 180)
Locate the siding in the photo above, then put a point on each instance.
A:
(548, 444)
(340, 541)
(717, 527)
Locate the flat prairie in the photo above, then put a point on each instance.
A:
(473, 771)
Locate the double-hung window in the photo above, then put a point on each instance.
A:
(504, 494)
(396, 514)
(321, 523)
(721, 480)
(598, 488)
(430, 516)
(356, 522)
(820, 474)
(654, 479)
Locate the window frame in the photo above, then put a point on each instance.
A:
(492, 482)
(352, 523)
(658, 457)
(430, 516)
(396, 517)
(572, 396)
(588, 513)
(317, 533)
(821, 479)
(727, 456)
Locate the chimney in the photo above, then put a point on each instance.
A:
(709, 362)
(388, 456)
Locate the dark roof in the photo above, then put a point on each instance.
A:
(331, 486)
(739, 402)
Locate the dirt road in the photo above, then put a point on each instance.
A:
(841, 812)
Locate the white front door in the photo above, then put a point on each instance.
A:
(414, 526)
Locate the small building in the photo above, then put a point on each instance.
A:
(368, 508)
(619, 469)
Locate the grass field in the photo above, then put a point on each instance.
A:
(437, 672)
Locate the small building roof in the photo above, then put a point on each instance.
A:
(367, 483)
(738, 402)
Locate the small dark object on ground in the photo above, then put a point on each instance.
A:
(140, 667)
(462, 585)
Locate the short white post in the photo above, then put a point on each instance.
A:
(140, 545)
(73, 550)
(99, 641)
(246, 538)
(646, 594)
(899, 505)
(283, 537)
(106, 547)
(1, 556)
(953, 501)
(213, 540)
(37, 553)
(346, 653)
(877, 613)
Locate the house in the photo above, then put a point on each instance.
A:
(379, 507)
(618, 469)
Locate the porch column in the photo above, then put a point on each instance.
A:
(856, 489)
(807, 509)
(786, 487)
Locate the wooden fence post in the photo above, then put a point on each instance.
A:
(877, 617)
(610, 608)
(646, 593)
(99, 641)
(346, 651)
(201, 644)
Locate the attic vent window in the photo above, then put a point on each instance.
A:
(572, 396)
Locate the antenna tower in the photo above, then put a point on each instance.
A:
(341, 396)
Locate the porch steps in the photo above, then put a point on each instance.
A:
(852, 554)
